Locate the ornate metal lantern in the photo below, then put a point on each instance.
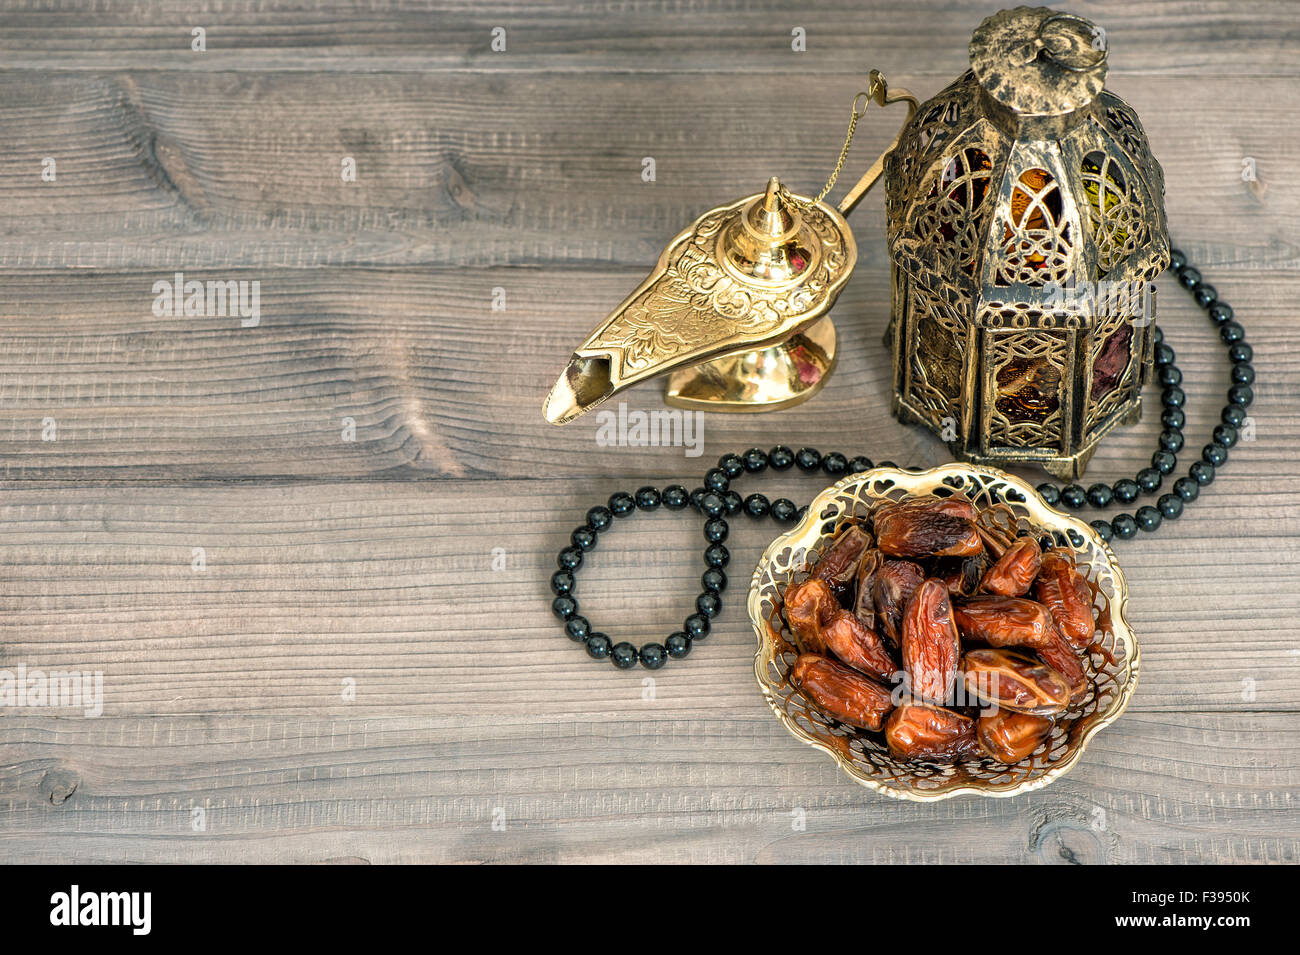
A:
(1025, 226)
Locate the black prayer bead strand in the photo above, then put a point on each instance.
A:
(715, 500)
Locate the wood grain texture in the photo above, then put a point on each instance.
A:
(408, 562)
(471, 170)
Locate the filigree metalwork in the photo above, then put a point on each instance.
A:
(1112, 667)
(1013, 196)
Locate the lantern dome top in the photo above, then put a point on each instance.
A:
(1039, 62)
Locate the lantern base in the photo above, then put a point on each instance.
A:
(764, 380)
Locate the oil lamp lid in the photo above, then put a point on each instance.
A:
(1039, 62)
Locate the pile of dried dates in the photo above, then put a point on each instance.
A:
(958, 637)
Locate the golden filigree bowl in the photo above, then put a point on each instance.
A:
(1112, 667)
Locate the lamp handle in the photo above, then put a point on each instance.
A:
(881, 95)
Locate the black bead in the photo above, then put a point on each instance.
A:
(1189, 278)
(755, 460)
(1206, 295)
(714, 579)
(1233, 415)
(696, 626)
(756, 505)
(621, 504)
(734, 502)
(1157, 334)
(1231, 333)
(623, 655)
(1171, 506)
(780, 458)
(716, 555)
(598, 646)
(577, 629)
(697, 496)
(859, 464)
(1225, 436)
(1100, 495)
(1214, 454)
(676, 497)
(599, 518)
(583, 538)
(562, 583)
(715, 530)
(1243, 374)
(709, 604)
(712, 505)
(564, 607)
(1164, 462)
(1050, 493)
(733, 465)
(1173, 418)
(1126, 491)
(1173, 398)
(1220, 312)
(1073, 496)
(1187, 489)
(1148, 479)
(1241, 395)
(1241, 352)
(1177, 259)
(1148, 518)
(1171, 440)
(886, 464)
(653, 656)
(835, 464)
(1202, 473)
(1169, 376)
(1124, 526)
(784, 511)
(715, 479)
(1103, 529)
(808, 459)
(569, 559)
(1075, 537)
(648, 498)
(1164, 355)
(678, 645)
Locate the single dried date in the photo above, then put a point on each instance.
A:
(1013, 573)
(864, 601)
(941, 527)
(859, 646)
(895, 582)
(1009, 736)
(1004, 621)
(920, 731)
(841, 693)
(1015, 682)
(809, 606)
(931, 650)
(1065, 592)
(839, 565)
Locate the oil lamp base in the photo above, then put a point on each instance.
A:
(763, 380)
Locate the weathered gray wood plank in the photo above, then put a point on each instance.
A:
(439, 384)
(1186, 788)
(158, 171)
(433, 598)
(1184, 37)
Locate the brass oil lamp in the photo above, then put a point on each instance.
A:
(1025, 223)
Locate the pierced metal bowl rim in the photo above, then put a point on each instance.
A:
(808, 530)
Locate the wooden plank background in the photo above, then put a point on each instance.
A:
(411, 562)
